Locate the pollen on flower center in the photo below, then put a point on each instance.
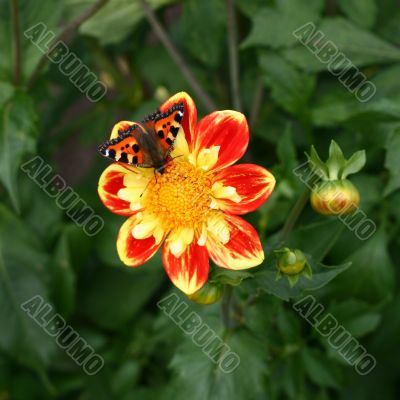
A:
(180, 197)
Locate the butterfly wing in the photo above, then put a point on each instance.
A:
(165, 126)
(127, 148)
(149, 145)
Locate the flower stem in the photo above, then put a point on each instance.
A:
(331, 244)
(233, 55)
(256, 103)
(71, 27)
(16, 38)
(177, 57)
(294, 215)
(226, 307)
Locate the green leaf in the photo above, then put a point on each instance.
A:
(17, 138)
(199, 378)
(317, 238)
(39, 211)
(292, 380)
(30, 14)
(371, 276)
(113, 296)
(290, 88)
(46, 11)
(362, 12)
(273, 27)
(116, 20)
(265, 279)
(80, 245)
(228, 276)
(340, 112)
(392, 161)
(250, 8)
(318, 370)
(286, 151)
(356, 316)
(62, 278)
(384, 341)
(289, 326)
(336, 106)
(360, 46)
(6, 92)
(124, 377)
(204, 42)
(388, 24)
(386, 81)
(159, 74)
(22, 261)
(105, 248)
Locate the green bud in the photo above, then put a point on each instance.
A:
(290, 262)
(210, 293)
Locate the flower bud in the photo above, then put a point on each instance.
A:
(210, 293)
(291, 262)
(335, 197)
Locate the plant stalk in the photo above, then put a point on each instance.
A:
(177, 57)
(16, 40)
(233, 55)
(71, 27)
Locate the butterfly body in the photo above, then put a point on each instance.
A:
(148, 144)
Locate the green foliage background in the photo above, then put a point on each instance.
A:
(291, 102)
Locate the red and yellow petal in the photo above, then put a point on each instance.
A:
(226, 129)
(110, 182)
(242, 251)
(188, 272)
(134, 252)
(189, 115)
(253, 183)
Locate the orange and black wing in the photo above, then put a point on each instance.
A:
(125, 148)
(166, 126)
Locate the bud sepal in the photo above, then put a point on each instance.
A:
(336, 166)
(334, 194)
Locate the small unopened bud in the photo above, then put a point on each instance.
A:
(335, 197)
(210, 293)
(290, 262)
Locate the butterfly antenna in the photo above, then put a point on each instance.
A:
(148, 183)
(170, 161)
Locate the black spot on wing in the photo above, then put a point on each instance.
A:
(174, 130)
(135, 148)
(160, 134)
(123, 157)
(169, 141)
(178, 117)
(111, 154)
(134, 160)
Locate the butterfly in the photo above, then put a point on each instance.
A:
(149, 143)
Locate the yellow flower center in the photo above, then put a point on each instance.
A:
(180, 197)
